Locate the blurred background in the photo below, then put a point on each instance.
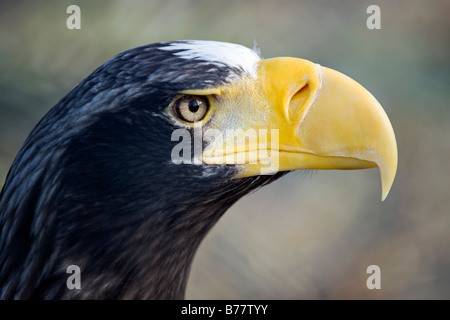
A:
(307, 236)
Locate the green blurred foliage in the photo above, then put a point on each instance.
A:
(307, 236)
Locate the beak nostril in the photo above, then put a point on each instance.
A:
(298, 102)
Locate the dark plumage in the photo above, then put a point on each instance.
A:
(93, 186)
(96, 184)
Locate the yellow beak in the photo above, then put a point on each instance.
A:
(323, 120)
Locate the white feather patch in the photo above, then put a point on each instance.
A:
(218, 53)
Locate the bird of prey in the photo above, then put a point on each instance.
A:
(113, 180)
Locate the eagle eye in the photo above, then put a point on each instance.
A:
(191, 108)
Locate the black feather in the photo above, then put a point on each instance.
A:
(93, 186)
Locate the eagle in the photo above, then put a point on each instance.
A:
(127, 173)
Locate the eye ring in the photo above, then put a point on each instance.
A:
(191, 108)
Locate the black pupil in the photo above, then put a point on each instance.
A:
(193, 106)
